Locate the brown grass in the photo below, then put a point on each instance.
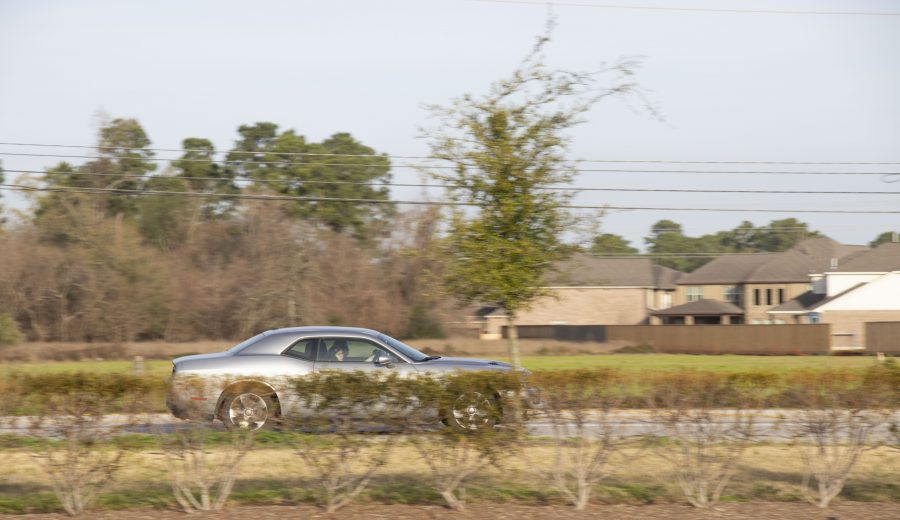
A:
(768, 472)
(37, 352)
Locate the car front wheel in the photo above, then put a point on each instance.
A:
(473, 411)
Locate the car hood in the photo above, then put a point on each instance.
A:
(201, 357)
(465, 363)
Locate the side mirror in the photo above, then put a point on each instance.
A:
(383, 359)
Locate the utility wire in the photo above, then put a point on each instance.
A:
(118, 191)
(693, 9)
(457, 186)
(426, 167)
(432, 158)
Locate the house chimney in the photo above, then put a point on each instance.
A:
(834, 263)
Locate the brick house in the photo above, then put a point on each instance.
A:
(751, 284)
(864, 288)
(588, 290)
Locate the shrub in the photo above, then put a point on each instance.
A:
(708, 442)
(643, 348)
(581, 406)
(202, 479)
(9, 331)
(422, 324)
(84, 461)
(839, 414)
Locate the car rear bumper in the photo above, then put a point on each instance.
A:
(186, 401)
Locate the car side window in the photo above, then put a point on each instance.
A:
(303, 349)
(354, 351)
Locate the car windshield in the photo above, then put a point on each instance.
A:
(404, 349)
(246, 343)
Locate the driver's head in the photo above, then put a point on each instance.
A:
(340, 349)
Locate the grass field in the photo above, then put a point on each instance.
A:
(629, 362)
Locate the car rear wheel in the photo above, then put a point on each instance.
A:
(247, 410)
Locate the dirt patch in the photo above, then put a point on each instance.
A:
(729, 511)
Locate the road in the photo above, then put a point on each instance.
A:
(769, 425)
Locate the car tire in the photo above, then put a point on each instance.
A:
(248, 410)
(473, 411)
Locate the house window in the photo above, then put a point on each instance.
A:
(733, 295)
(665, 300)
(780, 296)
(756, 300)
(768, 296)
(694, 293)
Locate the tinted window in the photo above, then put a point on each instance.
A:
(403, 348)
(303, 349)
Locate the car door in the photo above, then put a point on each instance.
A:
(365, 355)
(297, 360)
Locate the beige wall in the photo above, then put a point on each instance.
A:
(751, 312)
(586, 306)
(710, 292)
(848, 328)
(590, 306)
(760, 312)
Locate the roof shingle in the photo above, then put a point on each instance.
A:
(582, 270)
(813, 255)
(882, 259)
(701, 308)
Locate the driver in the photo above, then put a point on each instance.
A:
(339, 350)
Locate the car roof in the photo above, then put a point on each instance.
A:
(323, 329)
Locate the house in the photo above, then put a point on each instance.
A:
(864, 288)
(743, 288)
(588, 290)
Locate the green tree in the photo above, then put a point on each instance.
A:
(668, 239)
(123, 163)
(887, 236)
(163, 220)
(123, 160)
(781, 235)
(610, 244)
(338, 167)
(506, 147)
(198, 162)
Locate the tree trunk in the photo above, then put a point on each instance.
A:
(512, 337)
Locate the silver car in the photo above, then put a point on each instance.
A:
(249, 385)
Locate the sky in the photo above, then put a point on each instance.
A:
(730, 87)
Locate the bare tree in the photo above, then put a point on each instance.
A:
(84, 461)
(581, 407)
(834, 428)
(203, 473)
(344, 460)
(453, 457)
(702, 442)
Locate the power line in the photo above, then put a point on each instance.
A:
(427, 167)
(118, 191)
(454, 186)
(693, 9)
(433, 158)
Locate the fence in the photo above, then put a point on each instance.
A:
(696, 339)
(883, 336)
